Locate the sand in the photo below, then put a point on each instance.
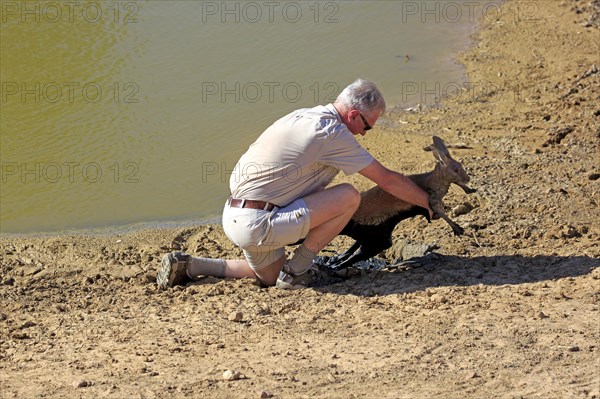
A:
(509, 310)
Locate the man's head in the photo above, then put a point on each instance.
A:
(360, 105)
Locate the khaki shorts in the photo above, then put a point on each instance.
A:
(262, 235)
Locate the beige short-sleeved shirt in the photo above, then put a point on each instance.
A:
(298, 155)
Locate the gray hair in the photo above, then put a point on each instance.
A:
(362, 95)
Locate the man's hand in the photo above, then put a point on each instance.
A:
(432, 214)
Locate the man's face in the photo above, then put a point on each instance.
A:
(361, 122)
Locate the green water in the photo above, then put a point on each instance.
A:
(115, 113)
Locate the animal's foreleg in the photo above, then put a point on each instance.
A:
(467, 189)
(438, 208)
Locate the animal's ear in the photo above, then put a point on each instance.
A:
(440, 158)
(439, 144)
(440, 152)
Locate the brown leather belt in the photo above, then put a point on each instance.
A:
(244, 203)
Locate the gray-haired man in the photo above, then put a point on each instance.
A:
(279, 193)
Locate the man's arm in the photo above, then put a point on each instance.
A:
(397, 184)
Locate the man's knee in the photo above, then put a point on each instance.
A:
(267, 276)
(267, 281)
(351, 195)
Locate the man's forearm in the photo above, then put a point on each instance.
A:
(396, 184)
(407, 190)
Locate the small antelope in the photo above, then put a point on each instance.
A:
(379, 212)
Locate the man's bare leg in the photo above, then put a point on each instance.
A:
(268, 275)
(238, 268)
(330, 211)
(327, 219)
(235, 268)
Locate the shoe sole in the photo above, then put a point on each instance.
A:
(164, 270)
(282, 285)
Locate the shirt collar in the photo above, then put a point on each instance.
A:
(334, 111)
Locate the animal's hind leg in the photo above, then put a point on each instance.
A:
(357, 253)
(349, 261)
(337, 261)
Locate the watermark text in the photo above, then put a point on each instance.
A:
(268, 92)
(124, 12)
(435, 92)
(270, 11)
(72, 172)
(69, 92)
(468, 11)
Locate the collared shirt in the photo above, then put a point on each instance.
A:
(298, 155)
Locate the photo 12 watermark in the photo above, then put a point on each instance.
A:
(70, 172)
(118, 12)
(426, 11)
(69, 92)
(433, 93)
(270, 11)
(267, 92)
(222, 172)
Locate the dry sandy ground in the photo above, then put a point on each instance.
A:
(509, 310)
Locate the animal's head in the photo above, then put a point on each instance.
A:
(451, 167)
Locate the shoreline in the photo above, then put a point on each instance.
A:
(508, 309)
(116, 230)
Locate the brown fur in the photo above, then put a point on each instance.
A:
(379, 212)
(378, 205)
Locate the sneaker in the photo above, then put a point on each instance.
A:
(313, 277)
(173, 270)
